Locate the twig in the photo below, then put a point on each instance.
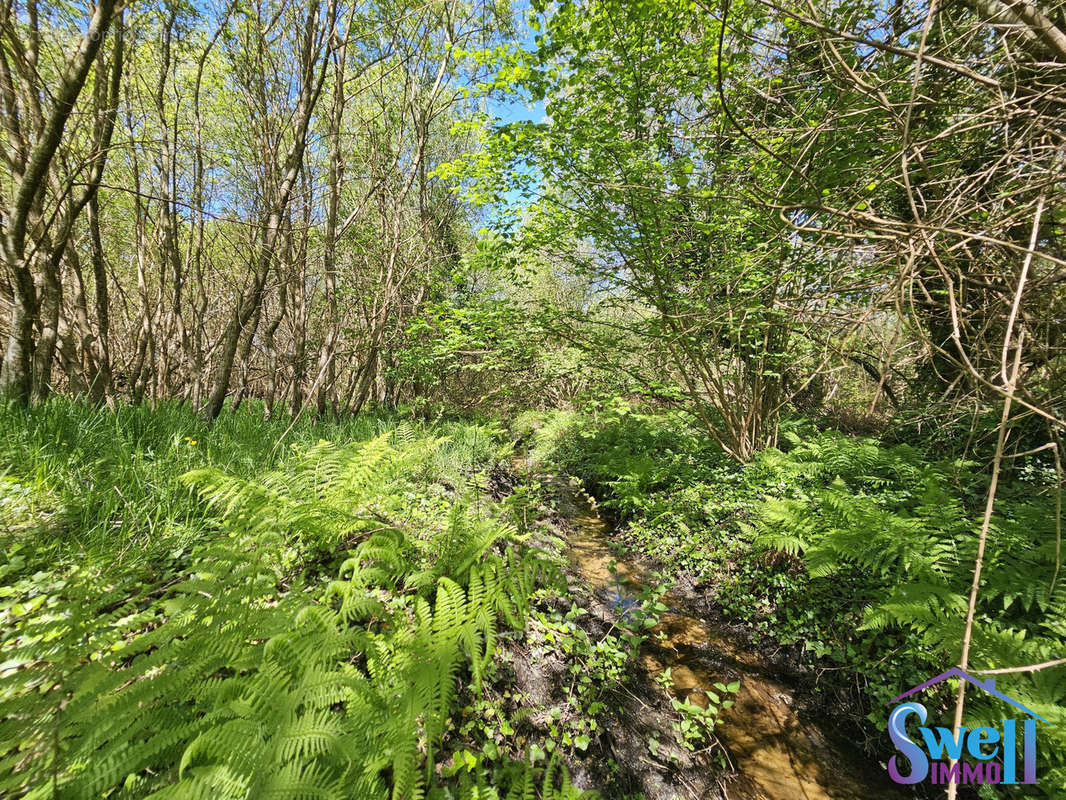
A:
(1030, 668)
(986, 523)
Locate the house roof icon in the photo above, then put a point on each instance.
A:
(988, 686)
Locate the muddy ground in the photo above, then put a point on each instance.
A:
(775, 743)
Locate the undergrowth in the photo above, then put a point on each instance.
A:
(855, 556)
(257, 612)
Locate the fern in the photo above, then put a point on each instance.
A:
(900, 532)
(246, 680)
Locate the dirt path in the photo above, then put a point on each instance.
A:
(777, 754)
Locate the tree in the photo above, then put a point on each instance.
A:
(642, 172)
(48, 189)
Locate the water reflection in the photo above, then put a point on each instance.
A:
(778, 755)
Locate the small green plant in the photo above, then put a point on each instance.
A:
(311, 639)
(851, 553)
(695, 723)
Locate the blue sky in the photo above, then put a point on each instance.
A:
(514, 109)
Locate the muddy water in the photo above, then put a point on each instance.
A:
(778, 755)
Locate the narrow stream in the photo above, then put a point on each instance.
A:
(777, 754)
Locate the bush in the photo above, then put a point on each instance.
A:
(859, 556)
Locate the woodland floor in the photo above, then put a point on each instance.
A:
(583, 618)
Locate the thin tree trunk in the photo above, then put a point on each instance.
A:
(249, 305)
(100, 387)
(15, 374)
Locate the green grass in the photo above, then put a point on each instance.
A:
(251, 608)
(156, 568)
(83, 482)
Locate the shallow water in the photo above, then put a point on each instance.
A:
(778, 755)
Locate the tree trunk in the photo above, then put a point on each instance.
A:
(15, 375)
(249, 305)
